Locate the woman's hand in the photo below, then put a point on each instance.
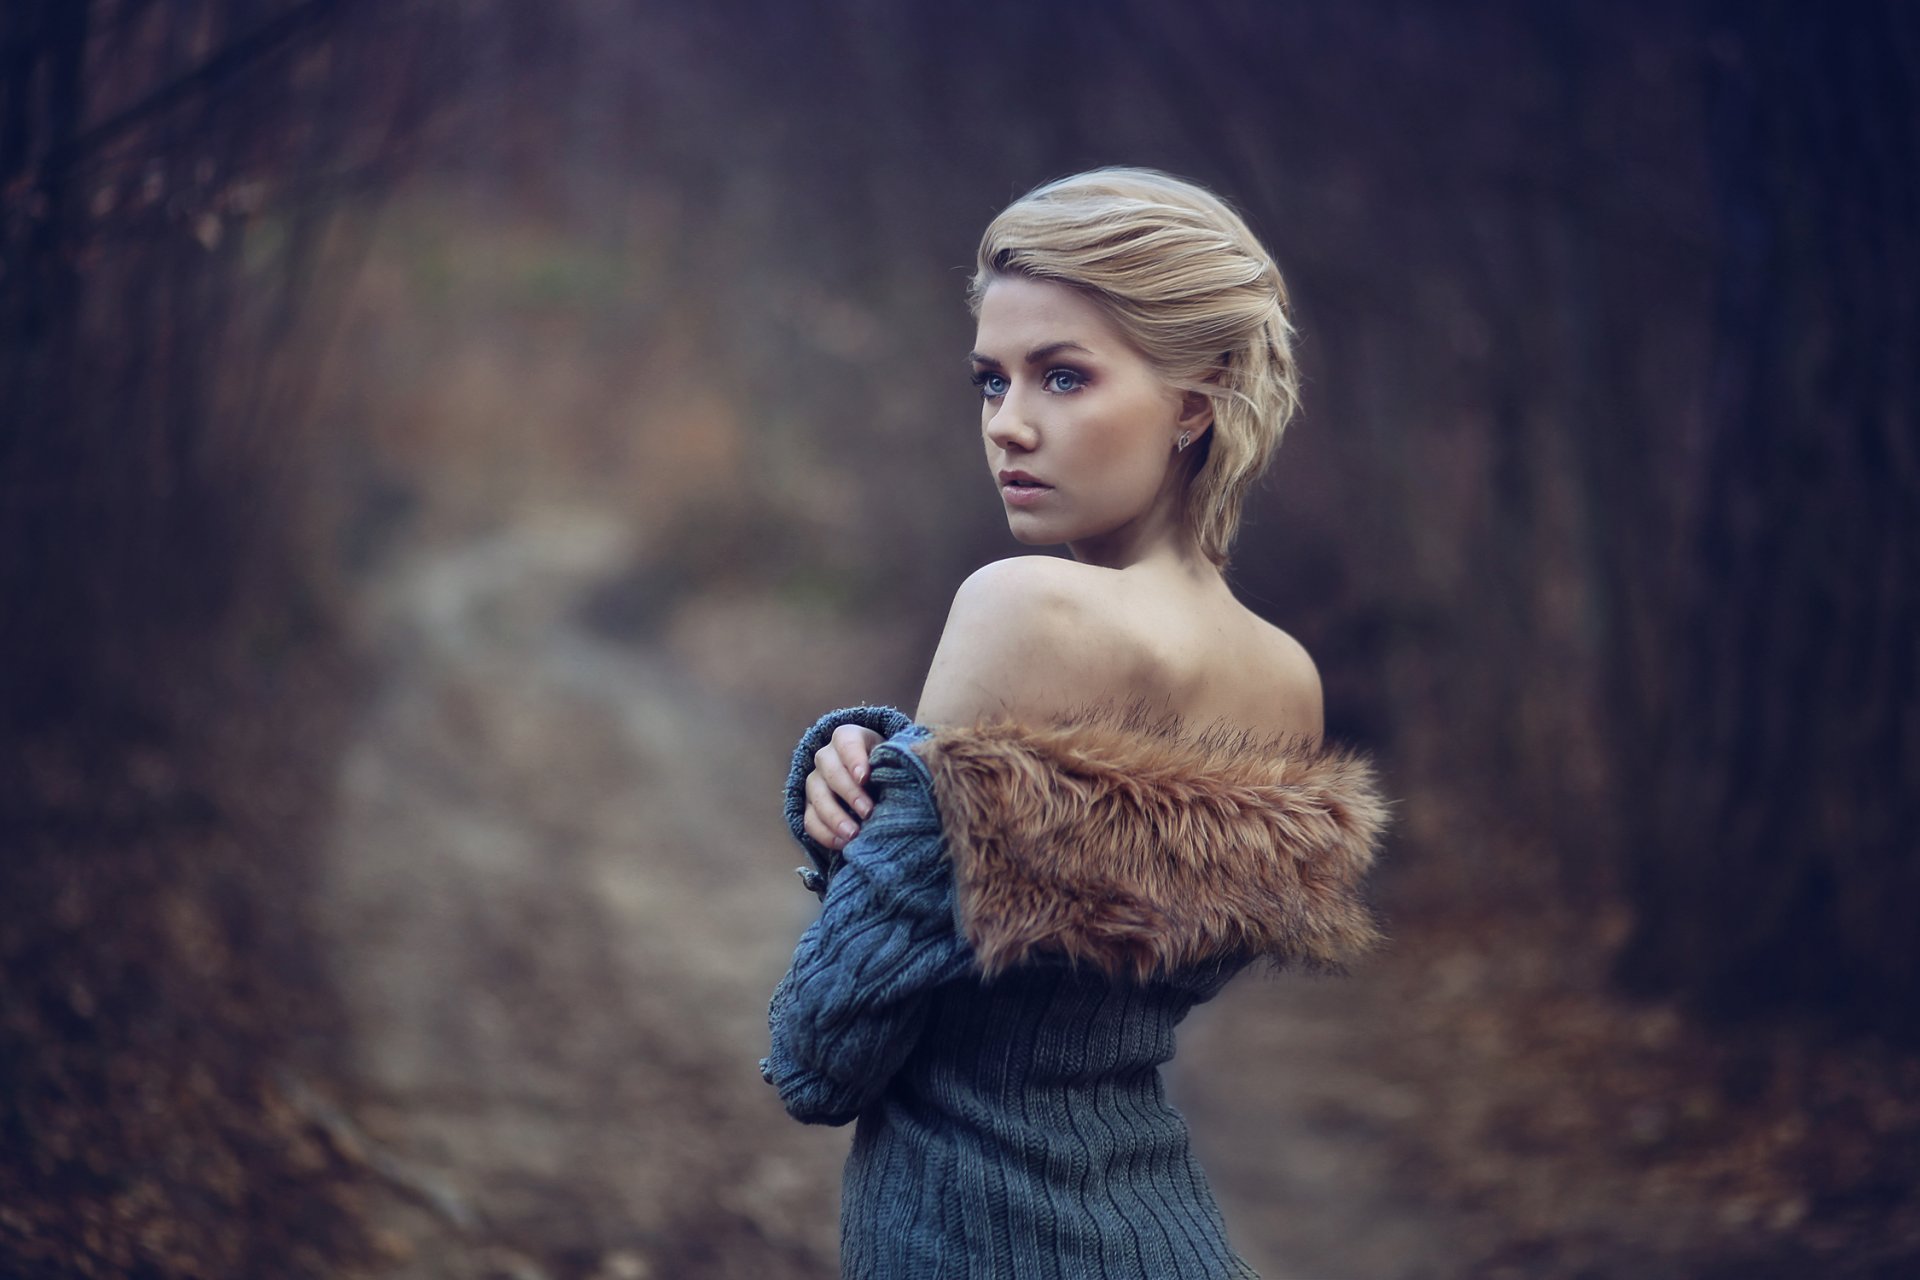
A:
(836, 791)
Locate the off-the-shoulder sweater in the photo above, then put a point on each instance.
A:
(1001, 958)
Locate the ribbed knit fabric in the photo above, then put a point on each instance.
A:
(1007, 1130)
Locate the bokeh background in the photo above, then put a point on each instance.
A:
(448, 451)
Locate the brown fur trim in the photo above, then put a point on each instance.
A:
(1123, 842)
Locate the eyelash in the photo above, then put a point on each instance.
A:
(983, 376)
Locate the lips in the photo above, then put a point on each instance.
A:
(1018, 489)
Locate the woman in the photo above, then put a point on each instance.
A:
(1112, 795)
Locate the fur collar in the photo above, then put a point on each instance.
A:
(1119, 840)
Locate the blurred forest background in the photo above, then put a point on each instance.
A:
(448, 451)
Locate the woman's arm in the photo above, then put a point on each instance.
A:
(850, 1009)
(1021, 640)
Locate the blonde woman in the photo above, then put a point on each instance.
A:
(1112, 796)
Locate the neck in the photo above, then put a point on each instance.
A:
(1157, 538)
(1178, 560)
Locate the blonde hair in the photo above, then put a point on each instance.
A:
(1188, 284)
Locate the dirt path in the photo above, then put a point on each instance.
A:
(1282, 1079)
(558, 901)
(554, 909)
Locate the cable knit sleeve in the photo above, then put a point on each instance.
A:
(885, 721)
(851, 1007)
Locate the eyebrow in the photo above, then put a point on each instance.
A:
(1034, 356)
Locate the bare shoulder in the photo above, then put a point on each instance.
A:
(1295, 703)
(1024, 579)
(1031, 637)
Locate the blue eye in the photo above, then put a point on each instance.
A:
(992, 385)
(1055, 377)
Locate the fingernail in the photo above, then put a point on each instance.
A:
(847, 830)
(860, 772)
(864, 806)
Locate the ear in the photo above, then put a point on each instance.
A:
(1196, 413)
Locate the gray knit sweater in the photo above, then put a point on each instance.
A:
(1002, 956)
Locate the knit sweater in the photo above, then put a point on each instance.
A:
(1002, 956)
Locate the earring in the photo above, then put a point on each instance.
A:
(1181, 443)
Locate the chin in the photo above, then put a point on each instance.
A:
(1033, 533)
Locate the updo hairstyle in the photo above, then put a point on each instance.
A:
(1188, 284)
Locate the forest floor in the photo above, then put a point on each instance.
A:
(558, 893)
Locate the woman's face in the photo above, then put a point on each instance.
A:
(1079, 429)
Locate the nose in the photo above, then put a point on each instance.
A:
(1007, 426)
